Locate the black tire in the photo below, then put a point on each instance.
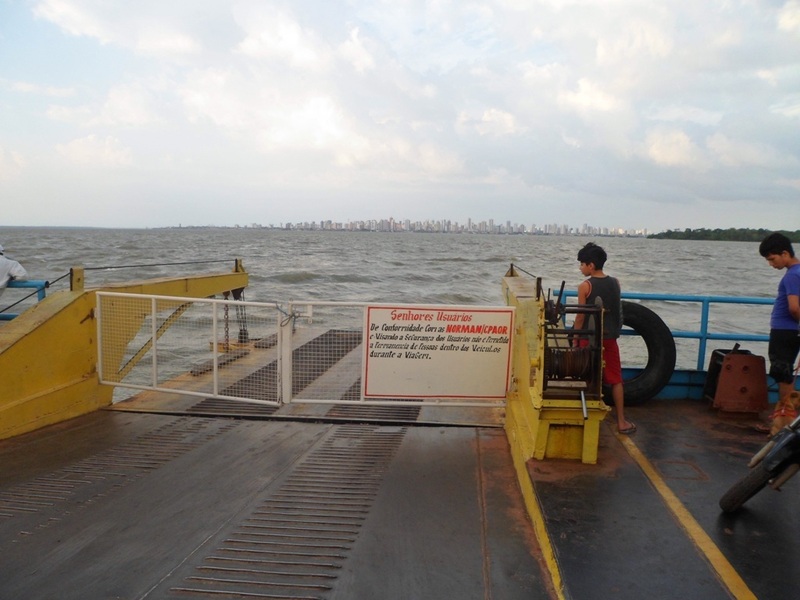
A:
(660, 353)
(744, 489)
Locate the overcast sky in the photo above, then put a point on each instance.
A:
(618, 113)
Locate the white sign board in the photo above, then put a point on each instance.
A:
(436, 352)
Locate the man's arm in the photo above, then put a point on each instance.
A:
(792, 287)
(18, 272)
(583, 294)
(794, 306)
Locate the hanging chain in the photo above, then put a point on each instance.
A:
(227, 333)
(225, 321)
(241, 318)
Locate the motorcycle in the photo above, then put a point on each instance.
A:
(776, 463)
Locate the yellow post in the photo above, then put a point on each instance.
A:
(76, 279)
(523, 403)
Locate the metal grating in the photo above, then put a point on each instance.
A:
(259, 385)
(102, 472)
(293, 545)
(357, 410)
(310, 361)
(313, 359)
(231, 408)
(374, 413)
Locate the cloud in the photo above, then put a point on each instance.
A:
(673, 148)
(125, 106)
(24, 87)
(433, 37)
(588, 99)
(500, 101)
(634, 39)
(314, 123)
(70, 114)
(143, 27)
(164, 41)
(353, 51)
(94, 151)
(687, 114)
(11, 164)
(128, 106)
(249, 108)
(736, 153)
(792, 183)
(76, 18)
(273, 34)
(789, 17)
(789, 106)
(493, 122)
(433, 160)
(497, 122)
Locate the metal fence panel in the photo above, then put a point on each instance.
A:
(327, 356)
(262, 353)
(202, 347)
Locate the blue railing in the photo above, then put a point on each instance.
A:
(39, 285)
(702, 334)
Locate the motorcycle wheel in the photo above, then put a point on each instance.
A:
(744, 489)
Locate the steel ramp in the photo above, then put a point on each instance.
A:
(134, 505)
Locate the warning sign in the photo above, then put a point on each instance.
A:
(437, 352)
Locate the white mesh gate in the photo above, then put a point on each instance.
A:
(199, 347)
(262, 353)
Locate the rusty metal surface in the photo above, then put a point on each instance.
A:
(700, 462)
(449, 523)
(133, 505)
(609, 519)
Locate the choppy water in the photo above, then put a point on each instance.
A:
(402, 267)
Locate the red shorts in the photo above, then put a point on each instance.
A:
(612, 364)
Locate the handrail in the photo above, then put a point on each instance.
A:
(702, 334)
(39, 285)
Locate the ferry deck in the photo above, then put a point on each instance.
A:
(165, 495)
(149, 500)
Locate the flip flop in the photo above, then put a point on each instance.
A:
(628, 430)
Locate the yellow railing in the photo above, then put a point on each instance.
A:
(48, 354)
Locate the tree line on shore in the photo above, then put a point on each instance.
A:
(728, 235)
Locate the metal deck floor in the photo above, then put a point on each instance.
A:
(645, 522)
(134, 505)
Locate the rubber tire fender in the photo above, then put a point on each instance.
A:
(660, 353)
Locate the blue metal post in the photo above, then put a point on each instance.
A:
(38, 284)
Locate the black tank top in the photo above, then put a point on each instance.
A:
(608, 290)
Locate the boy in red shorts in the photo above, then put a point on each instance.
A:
(592, 259)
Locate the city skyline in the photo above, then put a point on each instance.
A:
(484, 226)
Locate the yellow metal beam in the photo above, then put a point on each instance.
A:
(48, 354)
(537, 428)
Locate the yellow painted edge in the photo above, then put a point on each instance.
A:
(537, 518)
(724, 570)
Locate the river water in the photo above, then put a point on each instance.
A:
(405, 267)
